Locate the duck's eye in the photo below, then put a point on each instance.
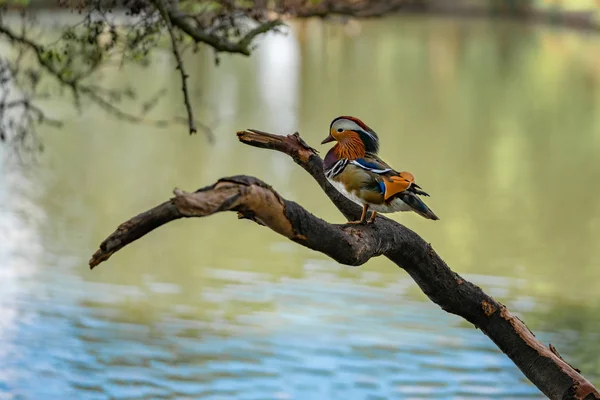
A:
(340, 130)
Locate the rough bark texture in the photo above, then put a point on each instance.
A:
(355, 245)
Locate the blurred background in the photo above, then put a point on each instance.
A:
(498, 120)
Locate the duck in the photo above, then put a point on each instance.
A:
(353, 167)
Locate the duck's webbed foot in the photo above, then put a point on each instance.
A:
(372, 219)
(363, 217)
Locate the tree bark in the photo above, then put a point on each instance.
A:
(356, 244)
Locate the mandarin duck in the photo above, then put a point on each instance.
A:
(354, 169)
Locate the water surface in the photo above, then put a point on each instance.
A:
(499, 123)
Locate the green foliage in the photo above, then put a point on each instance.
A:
(14, 3)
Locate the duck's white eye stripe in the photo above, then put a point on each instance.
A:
(346, 124)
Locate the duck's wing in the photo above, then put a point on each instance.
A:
(391, 182)
(373, 164)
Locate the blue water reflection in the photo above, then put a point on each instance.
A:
(337, 341)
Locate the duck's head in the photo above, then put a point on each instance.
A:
(351, 131)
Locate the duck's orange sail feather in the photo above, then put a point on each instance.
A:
(397, 183)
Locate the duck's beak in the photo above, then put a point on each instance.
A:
(328, 139)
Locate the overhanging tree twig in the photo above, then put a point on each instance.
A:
(92, 92)
(354, 245)
(162, 9)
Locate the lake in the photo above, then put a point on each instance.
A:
(499, 122)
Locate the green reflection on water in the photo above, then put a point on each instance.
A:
(498, 121)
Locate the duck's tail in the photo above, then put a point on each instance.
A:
(417, 205)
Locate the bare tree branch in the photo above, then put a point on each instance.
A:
(28, 106)
(356, 244)
(219, 43)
